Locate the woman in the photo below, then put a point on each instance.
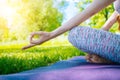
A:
(93, 58)
(75, 35)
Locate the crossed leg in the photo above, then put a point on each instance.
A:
(103, 46)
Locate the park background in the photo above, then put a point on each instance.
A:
(18, 18)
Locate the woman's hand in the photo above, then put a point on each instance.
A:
(43, 37)
(92, 9)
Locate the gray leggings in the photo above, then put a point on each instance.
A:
(93, 41)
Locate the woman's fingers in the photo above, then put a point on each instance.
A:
(33, 42)
(28, 46)
(36, 41)
(44, 36)
(32, 36)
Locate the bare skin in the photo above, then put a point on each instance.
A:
(92, 9)
(93, 58)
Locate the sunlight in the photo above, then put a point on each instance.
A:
(6, 12)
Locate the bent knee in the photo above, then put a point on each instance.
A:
(72, 34)
(76, 32)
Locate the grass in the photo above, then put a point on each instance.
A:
(13, 59)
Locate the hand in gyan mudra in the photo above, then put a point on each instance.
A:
(43, 37)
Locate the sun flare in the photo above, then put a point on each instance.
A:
(6, 12)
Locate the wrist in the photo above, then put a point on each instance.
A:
(52, 34)
(104, 29)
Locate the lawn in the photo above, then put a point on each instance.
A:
(13, 59)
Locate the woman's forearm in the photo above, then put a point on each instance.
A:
(110, 21)
(92, 9)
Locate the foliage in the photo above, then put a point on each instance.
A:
(3, 29)
(98, 20)
(37, 15)
(30, 16)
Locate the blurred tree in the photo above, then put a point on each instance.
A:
(41, 15)
(4, 31)
(98, 20)
(34, 15)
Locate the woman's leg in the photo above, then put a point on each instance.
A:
(102, 43)
(93, 58)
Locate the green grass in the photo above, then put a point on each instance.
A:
(13, 59)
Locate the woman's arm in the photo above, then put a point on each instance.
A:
(110, 21)
(92, 9)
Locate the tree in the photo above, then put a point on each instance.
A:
(98, 20)
(4, 31)
(34, 15)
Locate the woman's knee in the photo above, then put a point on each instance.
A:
(76, 33)
(72, 34)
